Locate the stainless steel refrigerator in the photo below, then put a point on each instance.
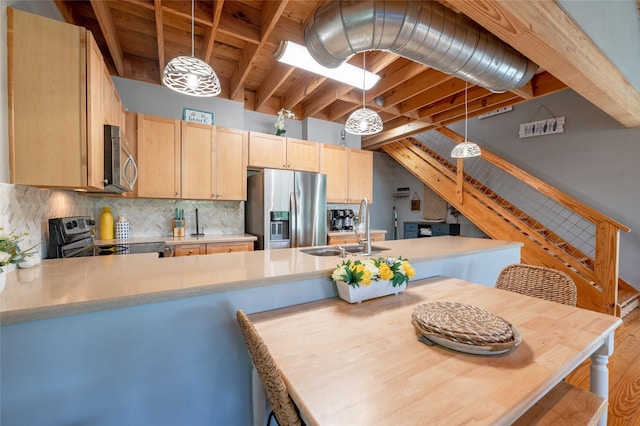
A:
(285, 208)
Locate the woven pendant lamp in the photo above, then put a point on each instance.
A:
(466, 149)
(189, 75)
(363, 121)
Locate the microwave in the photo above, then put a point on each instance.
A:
(120, 169)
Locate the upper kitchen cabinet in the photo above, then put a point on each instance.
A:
(159, 157)
(190, 160)
(303, 155)
(56, 78)
(231, 163)
(276, 152)
(214, 162)
(349, 174)
(360, 175)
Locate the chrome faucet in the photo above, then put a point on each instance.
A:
(362, 227)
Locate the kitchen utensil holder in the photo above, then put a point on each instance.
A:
(179, 226)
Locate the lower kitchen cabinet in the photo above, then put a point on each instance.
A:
(351, 238)
(212, 248)
(428, 229)
(189, 249)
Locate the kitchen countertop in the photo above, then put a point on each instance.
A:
(189, 239)
(59, 287)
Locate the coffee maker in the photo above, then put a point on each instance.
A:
(341, 219)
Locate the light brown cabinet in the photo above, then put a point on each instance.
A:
(277, 152)
(349, 174)
(56, 110)
(212, 248)
(231, 154)
(350, 238)
(159, 157)
(214, 162)
(190, 160)
(231, 247)
(189, 249)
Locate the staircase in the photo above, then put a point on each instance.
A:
(507, 203)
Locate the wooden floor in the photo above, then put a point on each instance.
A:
(624, 374)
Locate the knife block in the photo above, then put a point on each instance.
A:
(178, 227)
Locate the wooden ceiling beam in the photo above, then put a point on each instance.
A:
(103, 14)
(452, 101)
(414, 87)
(210, 32)
(269, 15)
(157, 9)
(547, 35)
(278, 75)
(389, 79)
(434, 94)
(477, 107)
(387, 136)
(302, 89)
(379, 61)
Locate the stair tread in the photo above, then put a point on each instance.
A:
(626, 295)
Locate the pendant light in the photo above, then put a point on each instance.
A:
(466, 149)
(189, 75)
(363, 121)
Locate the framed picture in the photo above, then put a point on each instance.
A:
(197, 116)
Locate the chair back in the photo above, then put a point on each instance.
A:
(537, 281)
(274, 387)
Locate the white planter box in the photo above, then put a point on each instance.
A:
(375, 289)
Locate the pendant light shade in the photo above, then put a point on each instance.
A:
(466, 149)
(363, 121)
(189, 75)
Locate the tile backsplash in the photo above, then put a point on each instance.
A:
(27, 209)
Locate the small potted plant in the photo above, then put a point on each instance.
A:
(279, 124)
(361, 280)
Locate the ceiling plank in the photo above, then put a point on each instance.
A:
(547, 35)
(304, 88)
(391, 135)
(159, 36)
(270, 13)
(278, 75)
(210, 32)
(101, 9)
(414, 87)
(378, 62)
(390, 78)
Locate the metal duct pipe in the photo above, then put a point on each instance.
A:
(423, 31)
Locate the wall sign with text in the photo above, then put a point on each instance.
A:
(197, 116)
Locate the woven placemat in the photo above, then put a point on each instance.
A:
(462, 323)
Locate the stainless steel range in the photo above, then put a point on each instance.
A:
(74, 237)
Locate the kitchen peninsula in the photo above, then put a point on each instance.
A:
(145, 340)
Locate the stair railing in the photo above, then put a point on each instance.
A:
(575, 235)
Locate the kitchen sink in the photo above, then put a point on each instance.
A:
(333, 251)
(321, 251)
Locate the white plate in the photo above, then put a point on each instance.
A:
(472, 349)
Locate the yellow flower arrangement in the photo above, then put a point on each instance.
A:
(357, 273)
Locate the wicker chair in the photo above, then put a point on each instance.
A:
(540, 282)
(282, 406)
